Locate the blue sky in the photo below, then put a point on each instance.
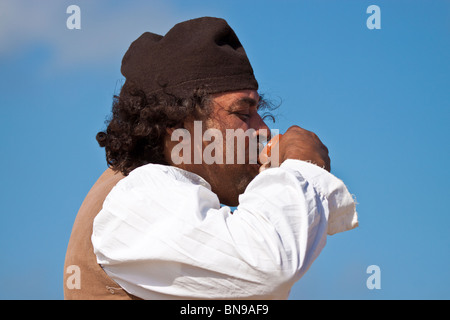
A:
(379, 100)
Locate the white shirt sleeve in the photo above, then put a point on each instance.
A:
(162, 233)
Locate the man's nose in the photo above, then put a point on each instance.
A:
(261, 128)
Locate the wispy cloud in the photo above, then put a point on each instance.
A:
(107, 27)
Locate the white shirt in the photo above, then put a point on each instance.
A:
(162, 233)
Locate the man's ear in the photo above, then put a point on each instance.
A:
(168, 144)
(169, 131)
(172, 140)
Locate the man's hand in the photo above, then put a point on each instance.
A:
(300, 144)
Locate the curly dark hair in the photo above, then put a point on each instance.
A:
(136, 130)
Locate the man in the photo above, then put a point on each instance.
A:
(161, 226)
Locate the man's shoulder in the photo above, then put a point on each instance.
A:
(160, 175)
(148, 174)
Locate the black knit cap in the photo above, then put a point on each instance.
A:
(200, 53)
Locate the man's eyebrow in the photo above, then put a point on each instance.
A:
(246, 102)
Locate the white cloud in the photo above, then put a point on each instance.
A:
(107, 27)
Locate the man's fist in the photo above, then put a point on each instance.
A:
(297, 143)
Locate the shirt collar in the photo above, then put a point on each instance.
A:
(188, 176)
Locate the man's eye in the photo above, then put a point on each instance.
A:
(242, 115)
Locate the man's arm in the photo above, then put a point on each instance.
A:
(161, 237)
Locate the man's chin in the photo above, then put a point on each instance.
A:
(254, 168)
(244, 176)
(233, 180)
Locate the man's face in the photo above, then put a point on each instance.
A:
(232, 113)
